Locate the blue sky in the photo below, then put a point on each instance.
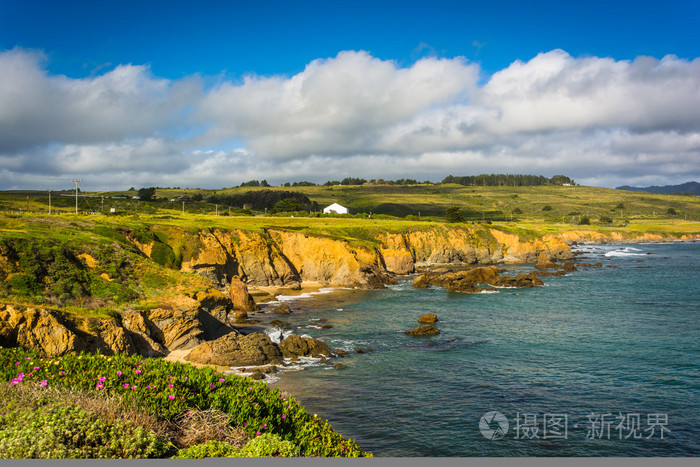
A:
(214, 93)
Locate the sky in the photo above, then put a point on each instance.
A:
(212, 94)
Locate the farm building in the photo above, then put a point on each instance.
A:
(336, 208)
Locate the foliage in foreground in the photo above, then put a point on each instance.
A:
(266, 445)
(169, 390)
(46, 427)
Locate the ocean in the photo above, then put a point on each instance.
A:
(604, 361)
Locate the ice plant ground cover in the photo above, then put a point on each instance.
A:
(167, 390)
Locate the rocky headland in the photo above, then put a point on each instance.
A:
(213, 326)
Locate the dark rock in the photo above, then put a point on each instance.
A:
(589, 265)
(569, 266)
(242, 300)
(429, 318)
(423, 330)
(544, 261)
(235, 349)
(422, 282)
(548, 273)
(339, 366)
(296, 345)
(276, 322)
(339, 352)
(282, 309)
(326, 326)
(257, 375)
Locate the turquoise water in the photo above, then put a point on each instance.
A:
(619, 341)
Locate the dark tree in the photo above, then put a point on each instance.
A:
(147, 194)
(288, 205)
(454, 214)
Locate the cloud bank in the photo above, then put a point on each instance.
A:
(601, 121)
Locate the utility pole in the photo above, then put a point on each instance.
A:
(183, 208)
(49, 202)
(217, 209)
(103, 203)
(76, 194)
(27, 203)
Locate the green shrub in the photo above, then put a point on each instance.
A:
(584, 221)
(49, 429)
(269, 445)
(165, 256)
(208, 449)
(454, 214)
(547, 208)
(605, 219)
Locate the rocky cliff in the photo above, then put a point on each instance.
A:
(287, 258)
(283, 258)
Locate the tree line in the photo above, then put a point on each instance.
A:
(508, 180)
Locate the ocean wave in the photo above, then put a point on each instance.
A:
(289, 298)
(276, 334)
(627, 251)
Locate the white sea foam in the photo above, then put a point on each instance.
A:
(627, 251)
(278, 334)
(288, 298)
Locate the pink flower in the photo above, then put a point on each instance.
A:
(138, 372)
(101, 379)
(28, 358)
(250, 388)
(171, 397)
(221, 380)
(125, 385)
(119, 373)
(36, 368)
(170, 385)
(264, 425)
(16, 363)
(62, 373)
(43, 383)
(148, 386)
(245, 423)
(284, 415)
(99, 386)
(258, 433)
(212, 385)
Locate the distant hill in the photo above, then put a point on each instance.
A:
(688, 188)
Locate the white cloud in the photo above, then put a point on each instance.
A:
(598, 120)
(39, 109)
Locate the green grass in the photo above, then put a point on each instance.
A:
(427, 200)
(167, 391)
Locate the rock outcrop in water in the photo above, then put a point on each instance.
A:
(423, 330)
(470, 280)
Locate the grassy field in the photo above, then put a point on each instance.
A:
(548, 204)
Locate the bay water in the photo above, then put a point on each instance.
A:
(604, 361)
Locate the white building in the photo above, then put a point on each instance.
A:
(336, 208)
